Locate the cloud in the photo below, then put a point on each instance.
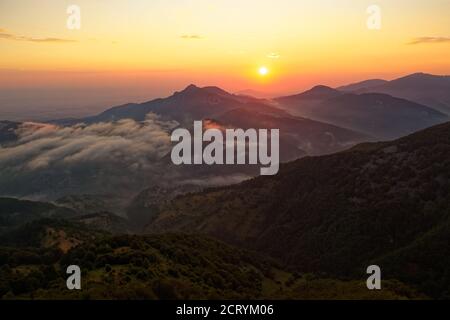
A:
(123, 157)
(120, 157)
(127, 143)
(422, 40)
(273, 55)
(10, 36)
(191, 37)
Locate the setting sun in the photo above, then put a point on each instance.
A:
(263, 71)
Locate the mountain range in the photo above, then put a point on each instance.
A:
(72, 157)
(300, 135)
(187, 105)
(380, 108)
(426, 89)
(374, 107)
(112, 202)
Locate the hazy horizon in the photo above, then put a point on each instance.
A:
(43, 104)
(138, 50)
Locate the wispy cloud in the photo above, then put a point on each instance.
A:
(11, 36)
(422, 40)
(191, 37)
(273, 55)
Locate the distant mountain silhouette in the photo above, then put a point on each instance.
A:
(383, 116)
(299, 136)
(427, 89)
(255, 94)
(192, 103)
(379, 115)
(319, 92)
(296, 133)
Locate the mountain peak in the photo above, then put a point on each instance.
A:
(320, 91)
(419, 75)
(214, 89)
(321, 88)
(189, 90)
(191, 87)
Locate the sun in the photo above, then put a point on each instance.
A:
(263, 71)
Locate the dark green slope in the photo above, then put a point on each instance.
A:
(34, 257)
(336, 213)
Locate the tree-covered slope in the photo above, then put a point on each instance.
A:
(168, 266)
(336, 213)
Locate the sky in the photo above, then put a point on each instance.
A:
(131, 51)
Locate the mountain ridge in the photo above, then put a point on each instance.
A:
(377, 114)
(423, 88)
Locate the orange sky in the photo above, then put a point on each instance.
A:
(151, 48)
